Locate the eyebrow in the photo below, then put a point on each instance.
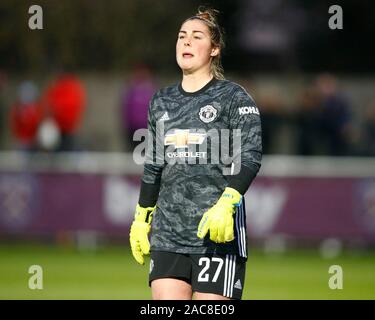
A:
(193, 31)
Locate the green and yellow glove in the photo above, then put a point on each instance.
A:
(139, 231)
(219, 219)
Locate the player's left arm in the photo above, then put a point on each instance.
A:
(245, 125)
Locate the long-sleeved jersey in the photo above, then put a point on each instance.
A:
(197, 142)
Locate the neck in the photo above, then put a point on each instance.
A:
(192, 82)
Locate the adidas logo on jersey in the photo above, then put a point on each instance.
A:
(164, 117)
(238, 285)
(248, 110)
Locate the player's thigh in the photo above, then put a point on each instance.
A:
(208, 296)
(218, 276)
(170, 275)
(171, 289)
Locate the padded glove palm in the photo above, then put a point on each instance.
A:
(219, 219)
(139, 231)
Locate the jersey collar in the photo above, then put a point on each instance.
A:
(195, 93)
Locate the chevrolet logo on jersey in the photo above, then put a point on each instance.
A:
(181, 138)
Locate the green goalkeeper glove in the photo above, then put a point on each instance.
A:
(139, 231)
(219, 219)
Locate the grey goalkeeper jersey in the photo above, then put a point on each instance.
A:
(196, 140)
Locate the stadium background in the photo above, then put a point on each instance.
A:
(68, 189)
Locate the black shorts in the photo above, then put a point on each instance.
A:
(208, 273)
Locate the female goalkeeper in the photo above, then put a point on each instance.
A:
(194, 199)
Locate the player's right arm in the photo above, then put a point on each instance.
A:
(150, 186)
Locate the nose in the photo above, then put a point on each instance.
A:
(187, 41)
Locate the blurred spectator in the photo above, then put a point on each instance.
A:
(64, 102)
(369, 130)
(26, 115)
(135, 100)
(49, 135)
(272, 119)
(307, 121)
(3, 79)
(335, 119)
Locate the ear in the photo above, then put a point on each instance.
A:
(215, 51)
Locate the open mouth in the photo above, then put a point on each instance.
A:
(187, 55)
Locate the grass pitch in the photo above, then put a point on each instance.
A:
(111, 273)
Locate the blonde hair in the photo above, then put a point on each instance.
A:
(209, 17)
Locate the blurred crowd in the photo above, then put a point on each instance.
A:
(318, 117)
(320, 121)
(47, 120)
(134, 101)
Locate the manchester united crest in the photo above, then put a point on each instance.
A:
(207, 113)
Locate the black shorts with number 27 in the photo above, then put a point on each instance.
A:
(208, 273)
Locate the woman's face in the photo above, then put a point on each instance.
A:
(193, 49)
